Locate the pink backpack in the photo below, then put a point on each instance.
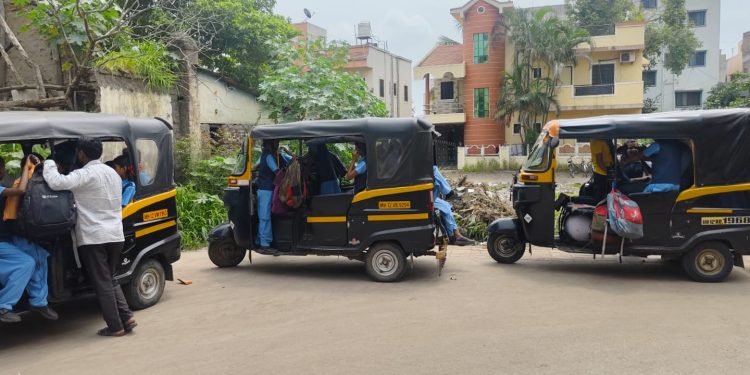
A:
(624, 215)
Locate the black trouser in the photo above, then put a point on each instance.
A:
(101, 261)
(601, 187)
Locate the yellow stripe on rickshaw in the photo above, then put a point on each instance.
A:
(369, 194)
(697, 192)
(401, 217)
(138, 205)
(710, 211)
(155, 228)
(326, 219)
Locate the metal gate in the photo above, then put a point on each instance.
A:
(446, 153)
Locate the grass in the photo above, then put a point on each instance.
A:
(491, 165)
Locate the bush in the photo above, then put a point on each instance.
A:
(198, 212)
(476, 230)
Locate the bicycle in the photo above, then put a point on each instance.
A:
(586, 167)
(572, 167)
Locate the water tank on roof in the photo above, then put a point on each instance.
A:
(364, 30)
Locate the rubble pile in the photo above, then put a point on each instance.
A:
(479, 204)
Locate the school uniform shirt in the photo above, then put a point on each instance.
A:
(98, 192)
(128, 191)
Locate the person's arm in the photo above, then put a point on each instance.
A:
(57, 181)
(351, 173)
(127, 194)
(25, 175)
(271, 162)
(443, 185)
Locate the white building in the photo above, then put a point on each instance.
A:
(690, 89)
(388, 76)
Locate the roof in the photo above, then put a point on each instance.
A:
(28, 125)
(396, 127)
(444, 54)
(458, 13)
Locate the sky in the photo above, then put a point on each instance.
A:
(412, 27)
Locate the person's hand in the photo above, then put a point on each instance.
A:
(34, 160)
(355, 155)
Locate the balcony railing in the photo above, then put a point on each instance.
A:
(590, 90)
(441, 107)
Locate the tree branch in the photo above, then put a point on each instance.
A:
(41, 93)
(58, 101)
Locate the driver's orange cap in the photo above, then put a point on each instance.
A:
(553, 128)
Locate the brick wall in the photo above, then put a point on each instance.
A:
(482, 130)
(226, 139)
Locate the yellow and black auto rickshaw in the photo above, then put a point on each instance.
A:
(392, 218)
(704, 222)
(152, 242)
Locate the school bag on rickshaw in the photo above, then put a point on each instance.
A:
(44, 213)
(293, 189)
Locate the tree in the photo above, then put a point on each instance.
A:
(309, 83)
(732, 94)
(669, 37)
(540, 39)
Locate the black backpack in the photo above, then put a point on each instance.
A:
(45, 213)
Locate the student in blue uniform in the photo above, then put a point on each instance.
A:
(23, 264)
(667, 158)
(329, 168)
(358, 168)
(443, 188)
(124, 169)
(267, 169)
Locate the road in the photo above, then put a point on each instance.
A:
(551, 313)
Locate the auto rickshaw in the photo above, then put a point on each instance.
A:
(391, 219)
(152, 242)
(705, 224)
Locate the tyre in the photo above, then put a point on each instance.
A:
(386, 262)
(147, 285)
(225, 253)
(504, 248)
(709, 262)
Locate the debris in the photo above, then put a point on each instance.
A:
(184, 281)
(480, 205)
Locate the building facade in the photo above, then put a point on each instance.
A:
(463, 80)
(690, 89)
(740, 62)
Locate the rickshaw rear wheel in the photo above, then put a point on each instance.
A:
(147, 285)
(709, 262)
(504, 248)
(225, 253)
(386, 262)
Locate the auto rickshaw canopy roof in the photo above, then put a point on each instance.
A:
(30, 125)
(720, 138)
(399, 150)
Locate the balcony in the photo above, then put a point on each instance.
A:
(621, 95)
(588, 90)
(447, 112)
(627, 36)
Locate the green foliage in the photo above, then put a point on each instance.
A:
(670, 38)
(540, 39)
(198, 213)
(310, 83)
(148, 60)
(12, 155)
(732, 94)
(599, 16)
(484, 165)
(210, 175)
(476, 230)
(650, 105)
(61, 23)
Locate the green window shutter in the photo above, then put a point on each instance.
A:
(481, 103)
(481, 46)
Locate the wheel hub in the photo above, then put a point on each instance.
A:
(385, 263)
(709, 262)
(505, 246)
(149, 284)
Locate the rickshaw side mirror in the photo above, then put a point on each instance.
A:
(554, 142)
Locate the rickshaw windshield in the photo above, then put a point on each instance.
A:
(241, 166)
(539, 159)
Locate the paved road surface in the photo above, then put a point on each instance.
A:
(548, 314)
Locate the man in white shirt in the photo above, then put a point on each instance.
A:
(98, 193)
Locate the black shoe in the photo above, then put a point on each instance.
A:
(46, 312)
(7, 316)
(463, 241)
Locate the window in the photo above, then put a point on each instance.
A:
(148, 160)
(481, 103)
(481, 44)
(395, 89)
(649, 78)
(697, 18)
(648, 4)
(446, 90)
(537, 73)
(698, 59)
(603, 74)
(687, 98)
(566, 77)
(390, 155)
(382, 88)
(516, 128)
(113, 149)
(406, 93)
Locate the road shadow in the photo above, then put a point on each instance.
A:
(74, 316)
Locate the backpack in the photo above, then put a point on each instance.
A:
(624, 215)
(277, 205)
(293, 190)
(45, 213)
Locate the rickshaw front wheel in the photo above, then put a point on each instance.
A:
(709, 262)
(386, 262)
(147, 285)
(504, 248)
(225, 253)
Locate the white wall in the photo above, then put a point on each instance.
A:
(693, 78)
(129, 97)
(392, 69)
(222, 103)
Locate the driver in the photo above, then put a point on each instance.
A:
(601, 155)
